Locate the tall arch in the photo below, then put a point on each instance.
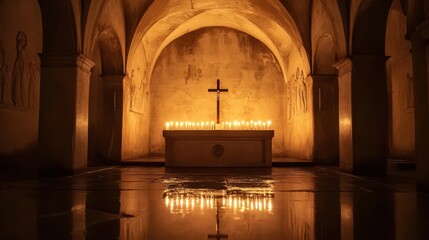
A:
(269, 22)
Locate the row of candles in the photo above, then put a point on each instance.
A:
(180, 202)
(234, 125)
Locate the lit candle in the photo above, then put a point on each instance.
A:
(251, 125)
(193, 126)
(181, 125)
(167, 126)
(213, 125)
(264, 126)
(268, 124)
(259, 125)
(177, 125)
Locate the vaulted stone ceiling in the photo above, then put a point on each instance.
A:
(267, 21)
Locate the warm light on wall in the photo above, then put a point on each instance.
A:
(234, 125)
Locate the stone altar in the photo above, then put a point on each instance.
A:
(218, 148)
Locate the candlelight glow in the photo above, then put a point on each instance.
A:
(178, 201)
(234, 125)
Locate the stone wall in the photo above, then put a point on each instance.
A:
(191, 64)
(20, 43)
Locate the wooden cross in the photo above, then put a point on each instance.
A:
(218, 90)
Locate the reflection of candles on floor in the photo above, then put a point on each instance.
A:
(227, 125)
(179, 203)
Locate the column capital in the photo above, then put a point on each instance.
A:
(66, 60)
(343, 66)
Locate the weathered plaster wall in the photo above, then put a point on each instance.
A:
(400, 86)
(191, 64)
(20, 42)
(135, 131)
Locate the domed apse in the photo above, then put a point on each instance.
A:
(178, 53)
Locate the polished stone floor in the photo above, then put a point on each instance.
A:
(135, 202)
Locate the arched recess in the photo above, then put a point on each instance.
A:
(269, 22)
(328, 37)
(329, 46)
(104, 43)
(110, 53)
(400, 82)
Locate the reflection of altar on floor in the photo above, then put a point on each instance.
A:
(218, 148)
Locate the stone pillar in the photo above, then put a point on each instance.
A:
(63, 117)
(362, 90)
(325, 104)
(420, 54)
(112, 117)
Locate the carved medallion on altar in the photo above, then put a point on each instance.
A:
(218, 148)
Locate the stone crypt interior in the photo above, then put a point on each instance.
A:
(90, 89)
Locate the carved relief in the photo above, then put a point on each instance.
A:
(3, 73)
(18, 84)
(302, 93)
(296, 94)
(139, 94)
(409, 91)
(20, 89)
(33, 73)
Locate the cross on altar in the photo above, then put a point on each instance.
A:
(218, 90)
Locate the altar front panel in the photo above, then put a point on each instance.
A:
(214, 148)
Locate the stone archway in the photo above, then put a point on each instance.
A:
(269, 23)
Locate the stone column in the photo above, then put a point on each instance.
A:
(420, 54)
(112, 117)
(325, 105)
(363, 114)
(63, 117)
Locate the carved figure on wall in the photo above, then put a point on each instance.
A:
(303, 93)
(18, 85)
(33, 78)
(139, 94)
(289, 98)
(292, 96)
(3, 73)
(409, 91)
(297, 93)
